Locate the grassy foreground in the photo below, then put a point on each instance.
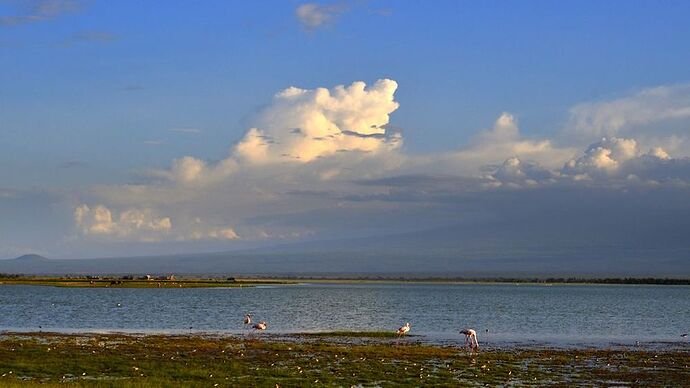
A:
(98, 360)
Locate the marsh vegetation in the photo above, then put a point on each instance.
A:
(369, 359)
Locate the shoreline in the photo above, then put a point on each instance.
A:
(354, 337)
(232, 282)
(53, 359)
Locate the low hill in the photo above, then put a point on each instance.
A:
(30, 258)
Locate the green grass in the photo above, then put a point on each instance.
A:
(97, 360)
(352, 334)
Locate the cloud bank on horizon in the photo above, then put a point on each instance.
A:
(320, 161)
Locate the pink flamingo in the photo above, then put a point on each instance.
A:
(248, 319)
(260, 326)
(470, 338)
(404, 329)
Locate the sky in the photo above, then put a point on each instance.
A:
(141, 128)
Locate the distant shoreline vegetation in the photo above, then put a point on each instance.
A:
(533, 280)
(147, 281)
(129, 281)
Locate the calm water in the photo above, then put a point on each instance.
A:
(524, 313)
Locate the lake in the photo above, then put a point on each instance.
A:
(523, 314)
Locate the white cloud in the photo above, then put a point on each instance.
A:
(633, 114)
(225, 233)
(210, 234)
(188, 169)
(501, 142)
(659, 153)
(611, 161)
(303, 125)
(604, 156)
(615, 157)
(100, 220)
(313, 15)
(144, 225)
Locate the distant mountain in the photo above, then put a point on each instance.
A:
(25, 264)
(453, 251)
(30, 258)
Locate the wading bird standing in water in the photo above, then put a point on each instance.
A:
(470, 338)
(248, 319)
(404, 329)
(260, 326)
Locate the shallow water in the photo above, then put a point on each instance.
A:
(550, 315)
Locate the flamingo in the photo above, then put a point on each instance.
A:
(260, 326)
(470, 338)
(248, 319)
(404, 329)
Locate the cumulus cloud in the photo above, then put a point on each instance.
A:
(313, 15)
(667, 108)
(605, 156)
(614, 158)
(501, 142)
(99, 220)
(144, 225)
(303, 125)
(517, 173)
(610, 161)
(198, 231)
(40, 10)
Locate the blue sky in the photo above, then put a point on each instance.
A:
(101, 96)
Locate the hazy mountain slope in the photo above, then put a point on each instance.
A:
(456, 250)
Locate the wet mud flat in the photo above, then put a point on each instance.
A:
(329, 359)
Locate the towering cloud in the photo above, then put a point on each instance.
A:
(303, 125)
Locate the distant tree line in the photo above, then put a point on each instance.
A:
(550, 280)
(662, 281)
